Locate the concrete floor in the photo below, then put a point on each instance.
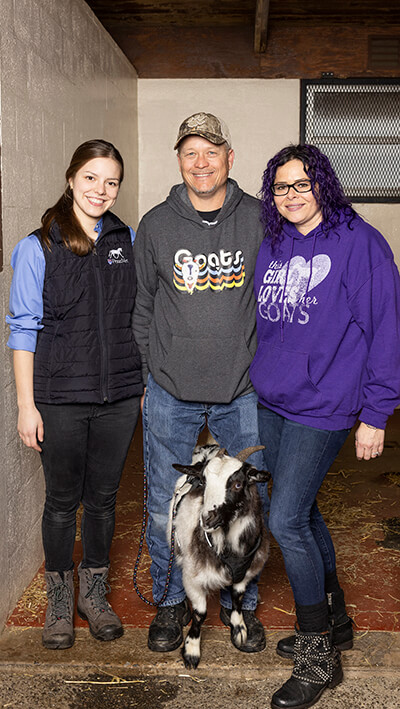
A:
(124, 674)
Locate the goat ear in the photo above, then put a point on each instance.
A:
(257, 476)
(195, 470)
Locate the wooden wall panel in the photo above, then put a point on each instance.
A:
(294, 50)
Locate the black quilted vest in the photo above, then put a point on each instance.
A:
(86, 352)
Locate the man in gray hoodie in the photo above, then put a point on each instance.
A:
(195, 326)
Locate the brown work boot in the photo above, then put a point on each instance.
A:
(58, 631)
(93, 606)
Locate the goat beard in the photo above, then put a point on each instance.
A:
(210, 525)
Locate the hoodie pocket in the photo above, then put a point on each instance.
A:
(281, 378)
(205, 369)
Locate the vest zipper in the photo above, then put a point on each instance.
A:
(102, 332)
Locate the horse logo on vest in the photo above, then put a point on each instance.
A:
(116, 256)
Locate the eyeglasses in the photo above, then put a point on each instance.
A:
(280, 189)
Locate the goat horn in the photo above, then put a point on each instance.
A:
(246, 452)
(221, 453)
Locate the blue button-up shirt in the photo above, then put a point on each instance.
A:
(26, 293)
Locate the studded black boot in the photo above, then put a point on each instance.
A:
(317, 666)
(342, 627)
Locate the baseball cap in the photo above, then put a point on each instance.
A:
(206, 126)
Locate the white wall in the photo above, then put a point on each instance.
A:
(248, 107)
(63, 80)
(386, 218)
(263, 115)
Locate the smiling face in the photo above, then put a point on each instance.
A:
(301, 209)
(205, 168)
(95, 189)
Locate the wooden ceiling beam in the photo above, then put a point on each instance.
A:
(261, 26)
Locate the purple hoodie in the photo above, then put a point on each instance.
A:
(329, 327)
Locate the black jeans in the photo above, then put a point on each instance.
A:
(83, 454)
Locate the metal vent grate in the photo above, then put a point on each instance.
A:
(356, 123)
(383, 53)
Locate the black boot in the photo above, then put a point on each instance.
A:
(342, 624)
(166, 629)
(317, 666)
(342, 627)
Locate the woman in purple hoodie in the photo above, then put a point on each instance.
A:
(328, 323)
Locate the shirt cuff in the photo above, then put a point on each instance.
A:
(23, 341)
(373, 418)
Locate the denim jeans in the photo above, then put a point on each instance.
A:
(170, 431)
(83, 454)
(298, 458)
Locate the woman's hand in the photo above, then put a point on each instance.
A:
(369, 442)
(30, 424)
(30, 427)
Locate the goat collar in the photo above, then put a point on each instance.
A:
(236, 563)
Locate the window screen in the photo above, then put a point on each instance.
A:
(356, 123)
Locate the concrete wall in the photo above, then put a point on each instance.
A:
(263, 115)
(63, 80)
(386, 218)
(249, 108)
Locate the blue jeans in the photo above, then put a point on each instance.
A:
(83, 454)
(170, 431)
(298, 458)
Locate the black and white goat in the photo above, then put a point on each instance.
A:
(220, 538)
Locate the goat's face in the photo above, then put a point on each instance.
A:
(226, 488)
(226, 483)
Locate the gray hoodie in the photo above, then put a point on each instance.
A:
(194, 318)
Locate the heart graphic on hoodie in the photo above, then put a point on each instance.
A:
(299, 276)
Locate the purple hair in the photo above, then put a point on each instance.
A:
(330, 196)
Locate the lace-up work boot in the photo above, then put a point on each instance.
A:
(58, 631)
(342, 627)
(166, 629)
(317, 666)
(93, 606)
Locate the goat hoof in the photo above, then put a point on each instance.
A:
(191, 652)
(191, 661)
(238, 636)
(255, 632)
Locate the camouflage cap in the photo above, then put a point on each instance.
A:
(206, 126)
